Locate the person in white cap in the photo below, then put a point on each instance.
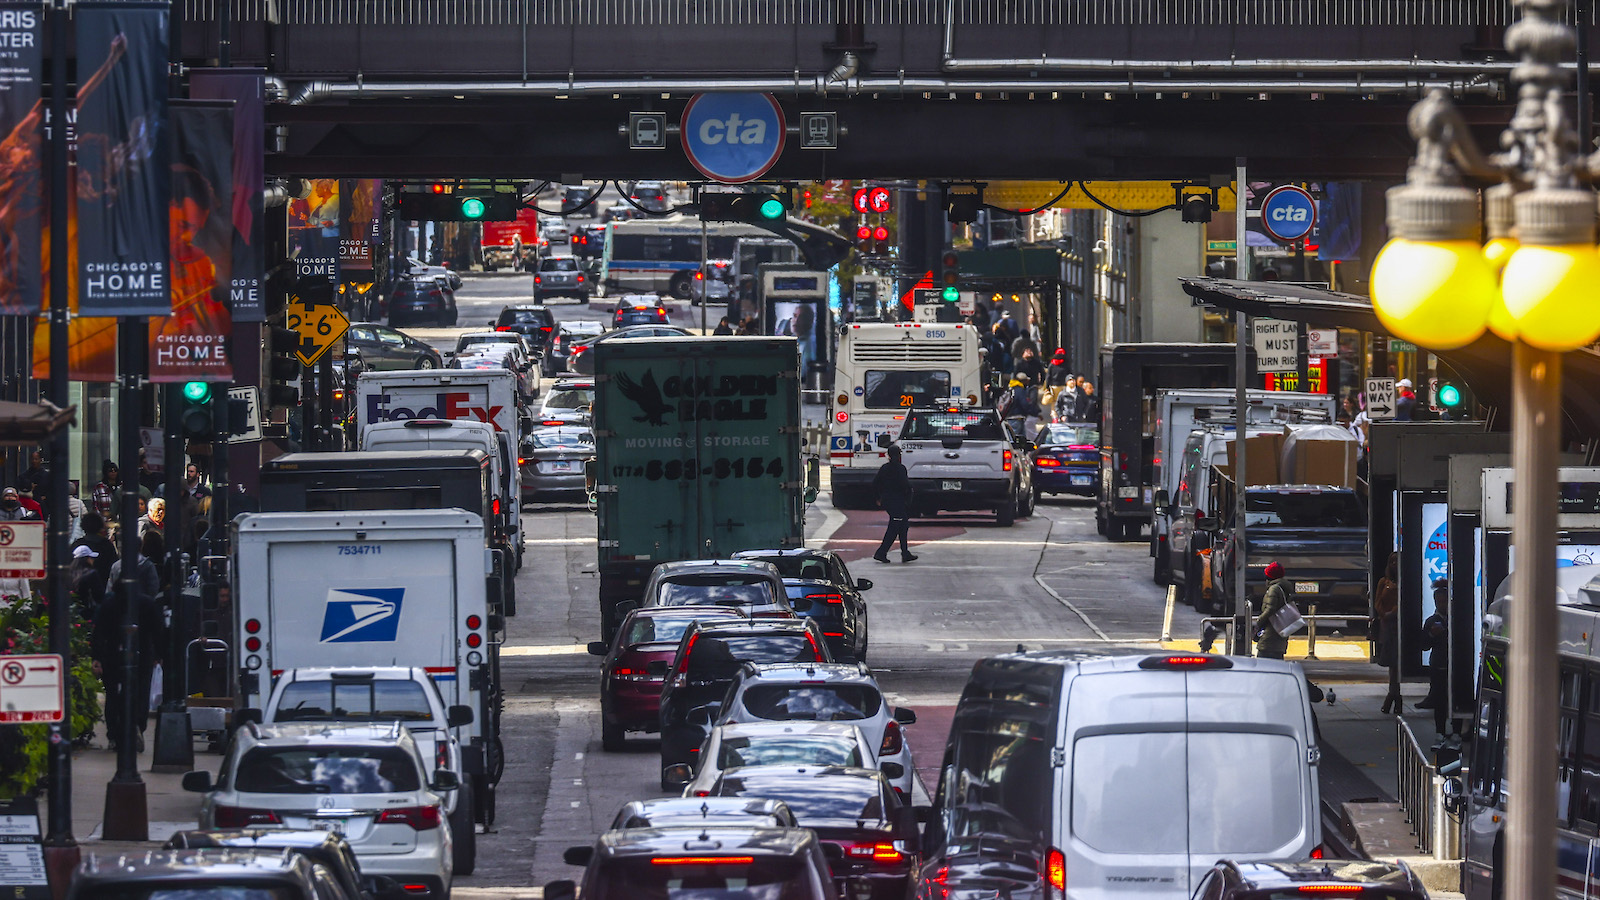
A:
(1405, 403)
(83, 581)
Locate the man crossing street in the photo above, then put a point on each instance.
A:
(893, 485)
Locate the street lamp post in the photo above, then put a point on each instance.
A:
(1533, 283)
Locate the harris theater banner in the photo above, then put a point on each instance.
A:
(192, 343)
(22, 177)
(123, 176)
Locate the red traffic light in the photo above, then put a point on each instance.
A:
(951, 260)
(438, 188)
(880, 233)
(864, 233)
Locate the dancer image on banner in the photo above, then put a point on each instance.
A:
(197, 310)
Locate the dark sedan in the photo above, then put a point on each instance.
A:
(552, 462)
(560, 347)
(582, 359)
(536, 324)
(639, 309)
(820, 587)
(853, 809)
(422, 299)
(1066, 459)
(380, 347)
(636, 664)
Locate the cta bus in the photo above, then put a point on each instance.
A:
(1577, 692)
(882, 370)
(662, 255)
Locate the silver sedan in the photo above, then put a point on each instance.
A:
(552, 462)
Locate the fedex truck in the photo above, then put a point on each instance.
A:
(882, 370)
(404, 587)
(472, 395)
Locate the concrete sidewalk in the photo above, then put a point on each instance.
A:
(168, 806)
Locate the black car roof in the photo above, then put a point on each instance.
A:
(705, 840)
(1267, 875)
(712, 809)
(764, 626)
(793, 552)
(203, 864)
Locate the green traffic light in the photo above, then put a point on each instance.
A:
(1449, 395)
(473, 208)
(196, 391)
(951, 293)
(772, 208)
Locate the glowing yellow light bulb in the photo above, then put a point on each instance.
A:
(1497, 253)
(1553, 295)
(1436, 294)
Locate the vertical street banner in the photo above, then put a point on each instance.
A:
(246, 88)
(192, 343)
(22, 175)
(314, 236)
(359, 234)
(123, 179)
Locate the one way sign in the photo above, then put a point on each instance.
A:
(1380, 398)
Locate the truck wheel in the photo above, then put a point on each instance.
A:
(1030, 502)
(464, 852)
(1006, 515)
(1163, 567)
(1099, 522)
(613, 739)
(679, 287)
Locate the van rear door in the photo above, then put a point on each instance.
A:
(1249, 734)
(1128, 786)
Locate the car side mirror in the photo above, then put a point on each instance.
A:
(882, 441)
(458, 715)
(490, 323)
(677, 775)
(248, 715)
(1163, 502)
(576, 856)
(800, 604)
(599, 648)
(892, 770)
(565, 889)
(905, 716)
(625, 607)
(445, 780)
(198, 782)
(656, 668)
(703, 715)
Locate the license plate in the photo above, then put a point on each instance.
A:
(1127, 493)
(1083, 479)
(561, 467)
(951, 485)
(1305, 587)
(336, 825)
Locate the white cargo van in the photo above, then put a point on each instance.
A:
(1102, 775)
(374, 588)
(485, 396)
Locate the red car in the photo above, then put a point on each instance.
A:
(636, 666)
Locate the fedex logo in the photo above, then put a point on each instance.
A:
(444, 405)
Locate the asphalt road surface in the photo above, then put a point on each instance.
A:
(977, 590)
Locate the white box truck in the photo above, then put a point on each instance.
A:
(374, 588)
(471, 395)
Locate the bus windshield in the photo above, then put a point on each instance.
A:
(901, 390)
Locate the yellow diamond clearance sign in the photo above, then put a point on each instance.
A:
(319, 328)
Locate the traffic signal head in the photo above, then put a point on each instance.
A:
(1449, 396)
(194, 413)
(758, 209)
(440, 205)
(283, 369)
(772, 208)
(473, 208)
(864, 233)
(950, 272)
(950, 293)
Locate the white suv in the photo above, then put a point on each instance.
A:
(961, 457)
(388, 694)
(365, 782)
(825, 692)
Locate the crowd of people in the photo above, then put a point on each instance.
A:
(1030, 390)
(93, 575)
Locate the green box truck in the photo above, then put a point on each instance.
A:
(698, 455)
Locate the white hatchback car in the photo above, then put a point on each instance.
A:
(366, 782)
(825, 692)
(775, 743)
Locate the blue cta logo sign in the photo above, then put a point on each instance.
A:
(1288, 213)
(733, 138)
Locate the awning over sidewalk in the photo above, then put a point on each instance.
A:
(31, 423)
(1485, 363)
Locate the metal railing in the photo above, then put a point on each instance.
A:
(1311, 627)
(1421, 793)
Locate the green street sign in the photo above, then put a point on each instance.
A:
(1212, 246)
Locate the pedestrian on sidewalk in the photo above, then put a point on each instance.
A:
(1386, 630)
(1436, 639)
(142, 608)
(893, 484)
(1269, 643)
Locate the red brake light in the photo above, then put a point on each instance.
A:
(816, 652)
(252, 626)
(253, 644)
(1316, 852)
(702, 861)
(580, 281)
(474, 640)
(538, 280)
(495, 507)
(420, 818)
(1047, 462)
(502, 328)
(1186, 661)
(892, 741)
(244, 817)
(825, 598)
(1351, 889)
(441, 755)
(474, 623)
(522, 460)
(550, 422)
(550, 327)
(1005, 460)
(1055, 869)
(1080, 447)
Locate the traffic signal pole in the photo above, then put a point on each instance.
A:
(173, 751)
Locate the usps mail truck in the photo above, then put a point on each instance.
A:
(374, 588)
